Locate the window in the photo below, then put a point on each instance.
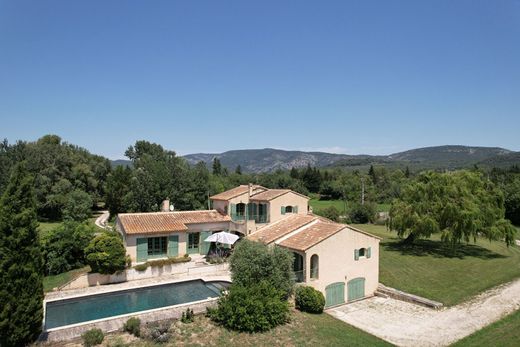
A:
(362, 252)
(288, 209)
(314, 266)
(241, 209)
(157, 246)
(193, 243)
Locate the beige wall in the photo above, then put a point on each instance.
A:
(131, 240)
(289, 199)
(337, 264)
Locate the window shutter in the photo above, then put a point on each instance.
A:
(283, 209)
(295, 209)
(232, 209)
(356, 254)
(142, 249)
(173, 245)
(203, 245)
(368, 252)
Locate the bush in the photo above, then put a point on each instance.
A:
(133, 326)
(77, 207)
(188, 316)
(158, 332)
(253, 262)
(64, 247)
(308, 299)
(330, 212)
(251, 309)
(141, 267)
(106, 254)
(92, 337)
(362, 214)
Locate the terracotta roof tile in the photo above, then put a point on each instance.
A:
(311, 235)
(234, 192)
(281, 228)
(156, 222)
(269, 194)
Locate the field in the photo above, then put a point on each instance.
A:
(429, 269)
(303, 330)
(503, 333)
(340, 205)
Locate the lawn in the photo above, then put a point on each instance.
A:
(50, 282)
(303, 330)
(428, 269)
(503, 333)
(340, 205)
(45, 227)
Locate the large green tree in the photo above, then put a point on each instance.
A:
(21, 263)
(459, 205)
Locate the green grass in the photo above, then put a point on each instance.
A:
(340, 205)
(50, 282)
(45, 227)
(504, 332)
(303, 330)
(430, 270)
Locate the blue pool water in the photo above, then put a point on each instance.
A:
(72, 311)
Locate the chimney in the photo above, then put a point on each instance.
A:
(250, 189)
(165, 206)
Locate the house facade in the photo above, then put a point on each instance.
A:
(336, 259)
(340, 261)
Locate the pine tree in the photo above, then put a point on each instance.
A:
(21, 263)
(217, 167)
(238, 170)
(372, 174)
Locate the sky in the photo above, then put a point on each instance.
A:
(372, 77)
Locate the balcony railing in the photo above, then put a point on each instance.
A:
(256, 218)
(238, 217)
(299, 276)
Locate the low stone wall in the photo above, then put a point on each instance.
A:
(188, 269)
(116, 323)
(385, 291)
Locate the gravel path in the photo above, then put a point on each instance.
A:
(101, 221)
(406, 324)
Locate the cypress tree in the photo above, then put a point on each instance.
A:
(21, 263)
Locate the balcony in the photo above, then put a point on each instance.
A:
(237, 217)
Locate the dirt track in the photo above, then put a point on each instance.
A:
(406, 324)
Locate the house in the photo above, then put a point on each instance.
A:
(336, 259)
(340, 261)
(252, 206)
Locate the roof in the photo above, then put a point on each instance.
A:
(234, 192)
(269, 194)
(281, 228)
(156, 222)
(312, 235)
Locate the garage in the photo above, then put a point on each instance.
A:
(335, 294)
(356, 289)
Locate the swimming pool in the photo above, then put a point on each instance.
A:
(83, 309)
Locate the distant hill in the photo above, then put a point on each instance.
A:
(502, 161)
(120, 162)
(440, 157)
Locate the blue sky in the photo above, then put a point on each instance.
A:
(371, 77)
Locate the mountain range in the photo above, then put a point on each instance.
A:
(439, 157)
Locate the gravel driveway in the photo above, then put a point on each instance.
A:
(406, 324)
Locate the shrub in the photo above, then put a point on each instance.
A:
(251, 309)
(362, 214)
(92, 337)
(158, 332)
(330, 212)
(141, 267)
(187, 317)
(308, 299)
(106, 254)
(77, 206)
(133, 326)
(253, 262)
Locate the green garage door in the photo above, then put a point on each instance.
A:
(356, 289)
(335, 294)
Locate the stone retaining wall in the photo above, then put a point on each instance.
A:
(385, 291)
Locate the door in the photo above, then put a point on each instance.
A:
(173, 245)
(335, 294)
(356, 289)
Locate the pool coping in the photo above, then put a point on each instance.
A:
(205, 279)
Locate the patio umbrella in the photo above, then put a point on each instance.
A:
(222, 237)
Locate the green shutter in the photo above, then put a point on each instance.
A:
(335, 294)
(283, 210)
(295, 209)
(142, 249)
(232, 209)
(173, 245)
(368, 252)
(204, 246)
(356, 254)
